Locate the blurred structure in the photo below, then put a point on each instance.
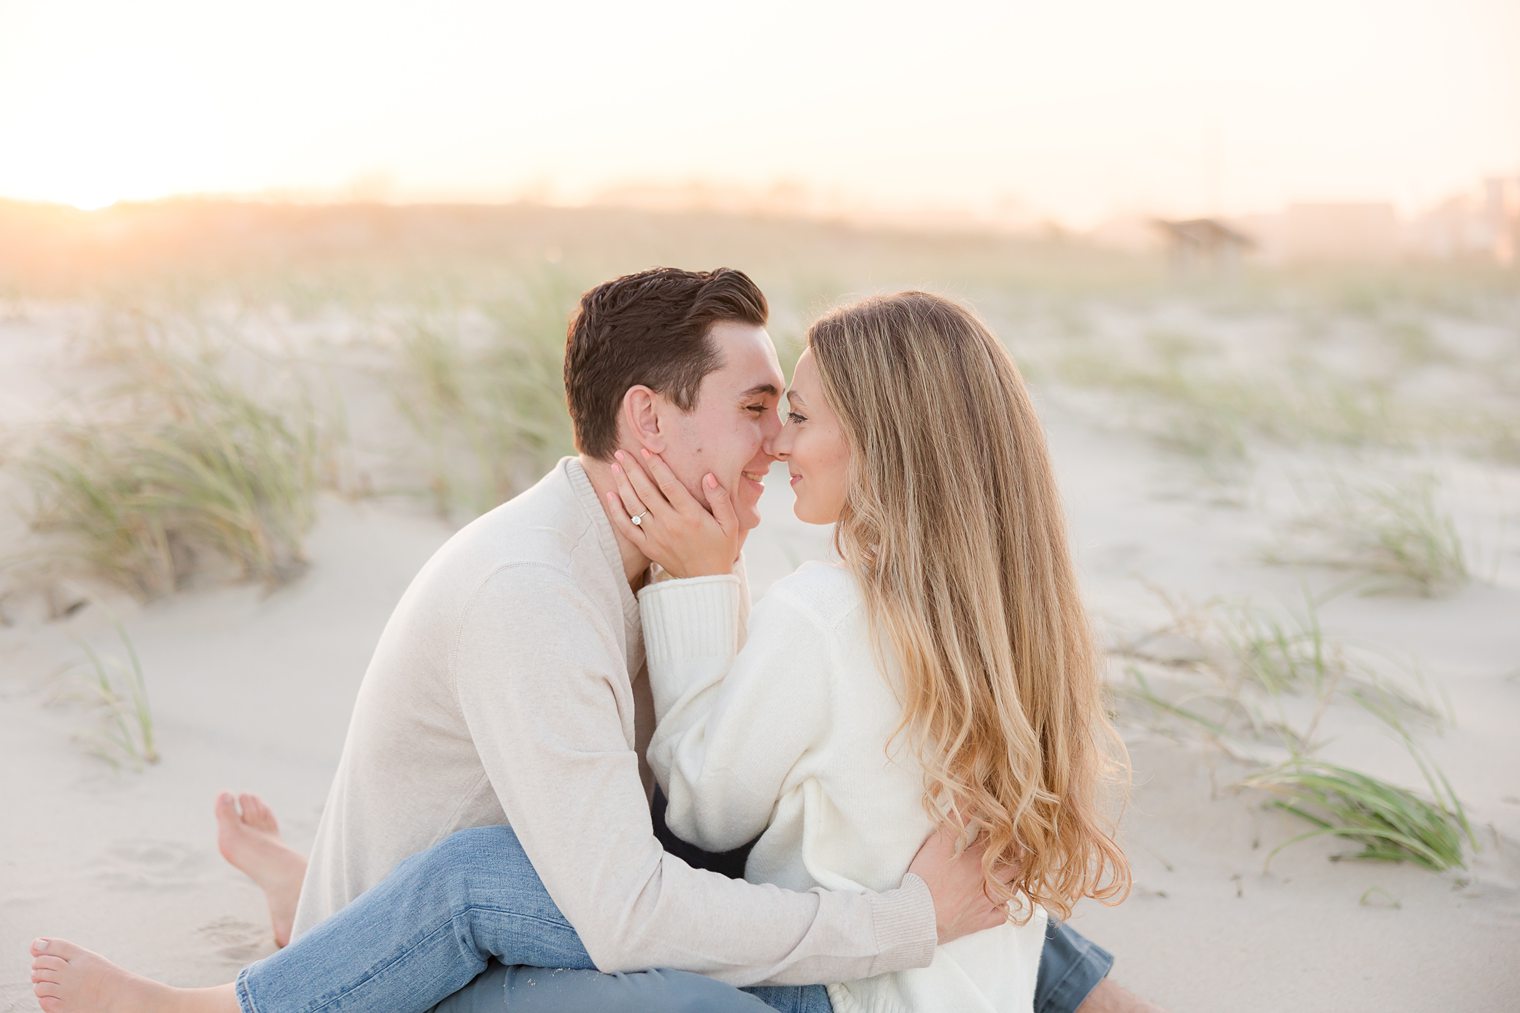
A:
(1480, 225)
(1195, 244)
(1364, 232)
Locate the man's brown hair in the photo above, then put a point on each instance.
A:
(648, 328)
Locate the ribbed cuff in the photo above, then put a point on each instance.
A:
(693, 618)
(906, 929)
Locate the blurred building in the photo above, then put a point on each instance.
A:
(1480, 225)
(1194, 244)
(1352, 231)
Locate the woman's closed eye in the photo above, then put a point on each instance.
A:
(795, 418)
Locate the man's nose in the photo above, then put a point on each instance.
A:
(776, 445)
(770, 434)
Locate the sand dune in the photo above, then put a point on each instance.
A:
(251, 690)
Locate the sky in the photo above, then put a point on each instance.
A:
(1076, 110)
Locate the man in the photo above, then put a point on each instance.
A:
(508, 688)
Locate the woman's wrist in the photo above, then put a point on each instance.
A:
(711, 568)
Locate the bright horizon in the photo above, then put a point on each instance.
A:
(1179, 107)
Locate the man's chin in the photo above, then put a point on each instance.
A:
(749, 516)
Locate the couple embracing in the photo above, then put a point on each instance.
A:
(574, 724)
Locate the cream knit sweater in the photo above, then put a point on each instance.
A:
(787, 738)
(508, 687)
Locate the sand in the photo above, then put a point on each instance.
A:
(251, 690)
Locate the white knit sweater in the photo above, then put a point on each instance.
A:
(787, 739)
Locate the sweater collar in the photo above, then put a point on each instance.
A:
(585, 494)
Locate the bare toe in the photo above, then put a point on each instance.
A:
(59, 949)
(47, 969)
(68, 978)
(258, 815)
(226, 807)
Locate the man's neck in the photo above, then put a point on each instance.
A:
(635, 563)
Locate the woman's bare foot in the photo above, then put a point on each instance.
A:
(68, 978)
(250, 840)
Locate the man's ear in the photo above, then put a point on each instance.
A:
(641, 417)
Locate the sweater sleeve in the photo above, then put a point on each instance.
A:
(732, 722)
(537, 670)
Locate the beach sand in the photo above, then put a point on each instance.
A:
(251, 690)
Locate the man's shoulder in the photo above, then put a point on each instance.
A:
(506, 538)
(541, 530)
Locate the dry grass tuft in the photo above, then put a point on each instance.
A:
(181, 468)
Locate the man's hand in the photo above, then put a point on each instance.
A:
(956, 882)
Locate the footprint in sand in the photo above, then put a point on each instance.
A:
(237, 941)
(146, 864)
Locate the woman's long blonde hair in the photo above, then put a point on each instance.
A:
(953, 525)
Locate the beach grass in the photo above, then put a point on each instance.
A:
(118, 688)
(1393, 531)
(1266, 654)
(1389, 823)
(1406, 536)
(1338, 385)
(1216, 713)
(483, 392)
(1258, 684)
(1284, 654)
(180, 467)
(1217, 414)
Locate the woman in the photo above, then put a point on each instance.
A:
(950, 633)
(942, 673)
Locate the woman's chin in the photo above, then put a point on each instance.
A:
(807, 516)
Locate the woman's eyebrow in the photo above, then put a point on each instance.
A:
(795, 398)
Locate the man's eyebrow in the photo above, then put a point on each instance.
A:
(767, 389)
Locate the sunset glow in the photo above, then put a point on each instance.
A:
(1079, 111)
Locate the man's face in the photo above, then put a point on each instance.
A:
(730, 430)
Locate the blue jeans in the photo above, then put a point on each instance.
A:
(430, 928)
(535, 990)
(1070, 967)
(473, 903)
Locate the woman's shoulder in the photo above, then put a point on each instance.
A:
(827, 593)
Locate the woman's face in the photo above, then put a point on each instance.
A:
(813, 447)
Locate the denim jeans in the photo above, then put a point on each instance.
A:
(430, 928)
(473, 903)
(536, 990)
